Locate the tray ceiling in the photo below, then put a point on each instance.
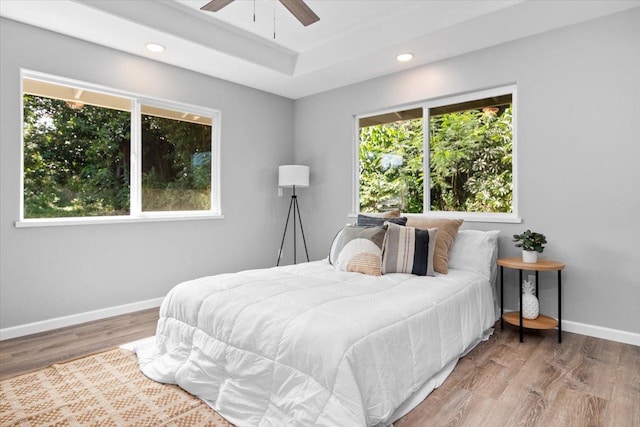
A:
(354, 40)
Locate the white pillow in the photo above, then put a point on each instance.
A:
(475, 251)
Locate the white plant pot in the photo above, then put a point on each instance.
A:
(530, 257)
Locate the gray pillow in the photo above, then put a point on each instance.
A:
(375, 221)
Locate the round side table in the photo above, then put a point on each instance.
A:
(515, 317)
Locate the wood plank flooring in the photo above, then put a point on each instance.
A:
(36, 351)
(582, 382)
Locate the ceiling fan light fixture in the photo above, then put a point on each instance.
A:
(298, 8)
(155, 47)
(405, 57)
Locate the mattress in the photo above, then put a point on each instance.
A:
(309, 345)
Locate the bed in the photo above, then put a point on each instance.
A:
(309, 345)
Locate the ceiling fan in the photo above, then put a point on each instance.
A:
(298, 8)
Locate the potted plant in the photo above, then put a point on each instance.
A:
(531, 243)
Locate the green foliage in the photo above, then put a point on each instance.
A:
(530, 241)
(176, 165)
(384, 183)
(470, 163)
(76, 161)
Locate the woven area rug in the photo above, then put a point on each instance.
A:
(105, 389)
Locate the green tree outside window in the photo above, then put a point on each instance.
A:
(470, 163)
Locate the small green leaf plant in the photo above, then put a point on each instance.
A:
(530, 241)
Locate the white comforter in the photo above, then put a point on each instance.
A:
(307, 345)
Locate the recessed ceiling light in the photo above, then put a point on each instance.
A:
(154, 47)
(405, 57)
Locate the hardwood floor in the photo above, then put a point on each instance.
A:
(582, 382)
(31, 352)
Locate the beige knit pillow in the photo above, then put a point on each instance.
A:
(447, 232)
(395, 213)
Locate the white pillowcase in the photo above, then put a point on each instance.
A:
(475, 251)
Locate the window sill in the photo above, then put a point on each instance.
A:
(57, 222)
(468, 216)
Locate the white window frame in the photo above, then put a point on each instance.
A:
(426, 105)
(135, 204)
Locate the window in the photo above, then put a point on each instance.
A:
(466, 170)
(94, 153)
(391, 161)
(176, 160)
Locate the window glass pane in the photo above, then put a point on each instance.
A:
(76, 152)
(176, 160)
(471, 156)
(391, 162)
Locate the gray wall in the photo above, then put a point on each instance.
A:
(579, 183)
(578, 148)
(58, 271)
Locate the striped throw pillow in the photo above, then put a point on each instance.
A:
(408, 250)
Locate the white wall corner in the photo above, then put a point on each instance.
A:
(76, 319)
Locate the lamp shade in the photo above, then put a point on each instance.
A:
(290, 175)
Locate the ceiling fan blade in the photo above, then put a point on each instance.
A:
(301, 11)
(215, 5)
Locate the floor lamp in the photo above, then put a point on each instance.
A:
(293, 176)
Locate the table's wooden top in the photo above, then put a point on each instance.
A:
(541, 265)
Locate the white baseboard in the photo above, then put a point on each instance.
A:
(617, 335)
(75, 319)
(601, 332)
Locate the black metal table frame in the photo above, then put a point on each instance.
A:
(537, 296)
